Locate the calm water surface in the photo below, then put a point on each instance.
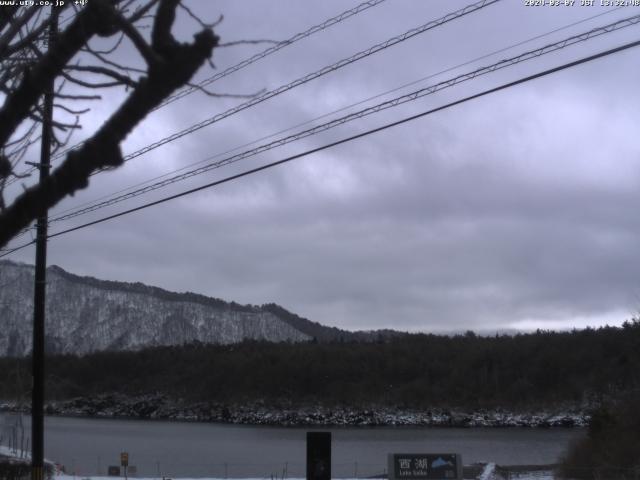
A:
(89, 446)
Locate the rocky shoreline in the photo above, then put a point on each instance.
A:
(161, 407)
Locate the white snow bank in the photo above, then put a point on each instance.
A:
(11, 453)
(487, 474)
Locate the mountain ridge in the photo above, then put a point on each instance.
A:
(140, 287)
(87, 314)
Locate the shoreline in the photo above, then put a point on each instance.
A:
(160, 407)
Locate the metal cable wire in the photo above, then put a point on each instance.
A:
(361, 113)
(298, 36)
(285, 43)
(357, 136)
(346, 140)
(307, 78)
(341, 109)
(258, 56)
(590, 34)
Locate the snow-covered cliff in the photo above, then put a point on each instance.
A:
(84, 314)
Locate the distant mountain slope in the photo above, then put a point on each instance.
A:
(322, 333)
(85, 314)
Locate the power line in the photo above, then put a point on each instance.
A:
(254, 58)
(360, 114)
(309, 77)
(581, 37)
(9, 251)
(351, 138)
(617, 25)
(273, 49)
(341, 109)
(357, 136)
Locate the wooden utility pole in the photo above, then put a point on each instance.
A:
(37, 367)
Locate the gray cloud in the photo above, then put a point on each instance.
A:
(515, 210)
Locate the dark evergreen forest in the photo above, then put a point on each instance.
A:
(421, 370)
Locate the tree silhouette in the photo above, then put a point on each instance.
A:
(28, 66)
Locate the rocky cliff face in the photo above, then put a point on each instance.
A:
(84, 314)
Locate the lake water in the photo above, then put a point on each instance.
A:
(177, 449)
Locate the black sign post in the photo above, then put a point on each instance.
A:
(124, 462)
(318, 455)
(425, 466)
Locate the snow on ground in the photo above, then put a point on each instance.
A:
(71, 477)
(529, 476)
(491, 475)
(487, 474)
(523, 476)
(13, 453)
(161, 407)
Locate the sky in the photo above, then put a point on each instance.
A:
(516, 210)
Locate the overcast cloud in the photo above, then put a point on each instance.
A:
(516, 210)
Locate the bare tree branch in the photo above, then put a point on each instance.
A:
(247, 42)
(78, 97)
(142, 11)
(161, 37)
(19, 103)
(5, 17)
(176, 65)
(71, 111)
(138, 41)
(209, 93)
(14, 29)
(101, 56)
(64, 143)
(26, 40)
(120, 78)
(22, 137)
(87, 84)
(199, 20)
(38, 117)
(108, 51)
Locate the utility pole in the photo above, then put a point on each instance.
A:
(37, 367)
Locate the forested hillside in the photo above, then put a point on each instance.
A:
(108, 315)
(420, 371)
